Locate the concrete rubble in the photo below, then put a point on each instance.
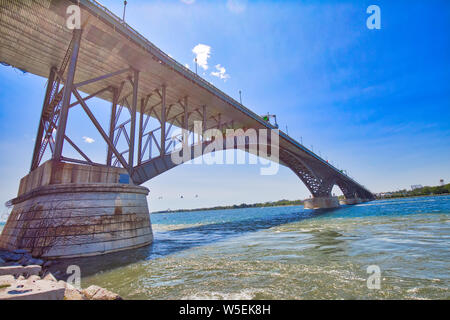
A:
(23, 277)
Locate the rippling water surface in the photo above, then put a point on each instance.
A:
(288, 253)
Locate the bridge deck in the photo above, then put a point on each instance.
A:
(34, 37)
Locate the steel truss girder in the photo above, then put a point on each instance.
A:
(52, 103)
(57, 104)
(320, 182)
(311, 180)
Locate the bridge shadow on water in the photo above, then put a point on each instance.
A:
(167, 242)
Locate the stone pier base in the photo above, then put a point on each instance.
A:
(321, 203)
(350, 201)
(60, 218)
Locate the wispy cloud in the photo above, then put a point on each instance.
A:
(221, 73)
(202, 53)
(237, 6)
(188, 1)
(88, 139)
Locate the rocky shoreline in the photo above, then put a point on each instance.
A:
(24, 277)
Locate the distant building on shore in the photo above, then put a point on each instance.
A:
(441, 182)
(416, 186)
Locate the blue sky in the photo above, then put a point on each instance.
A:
(374, 102)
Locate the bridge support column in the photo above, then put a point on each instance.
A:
(69, 210)
(321, 203)
(350, 201)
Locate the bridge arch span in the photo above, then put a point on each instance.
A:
(318, 182)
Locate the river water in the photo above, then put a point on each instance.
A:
(288, 253)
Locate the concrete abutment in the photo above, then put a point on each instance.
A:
(321, 203)
(330, 202)
(69, 210)
(350, 201)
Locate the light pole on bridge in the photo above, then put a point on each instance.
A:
(124, 9)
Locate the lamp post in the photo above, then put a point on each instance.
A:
(124, 9)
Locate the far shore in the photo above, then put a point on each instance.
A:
(279, 203)
(418, 196)
(275, 205)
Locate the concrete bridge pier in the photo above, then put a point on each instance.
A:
(350, 201)
(321, 203)
(68, 210)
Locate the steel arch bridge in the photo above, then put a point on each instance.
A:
(150, 96)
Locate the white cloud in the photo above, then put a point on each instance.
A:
(188, 1)
(237, 6)
(202, 53)
(187, 66)
(88, 140)
(221, 73)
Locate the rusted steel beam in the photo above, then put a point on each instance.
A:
(77, 149)
(91, 96)
(68, 85)
(40, 132)
(133, 120)
(106, 76)
(163, 120)
(112, 123)
(186, 122)
(141, 123)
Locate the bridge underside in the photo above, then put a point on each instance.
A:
(155, 107)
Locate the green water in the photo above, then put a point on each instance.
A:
(288, 253)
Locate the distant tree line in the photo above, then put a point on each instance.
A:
(424, 191)
(242, 206)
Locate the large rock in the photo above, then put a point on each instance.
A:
(6, 280)
(33, 290)
(10, 256)
(25, 260)
(20, 270)
(49, 276)
(73, 293)
(11, 264)
(13, 287)
(21, 251)
(33, 278)
(97, 293)
(34, 261)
